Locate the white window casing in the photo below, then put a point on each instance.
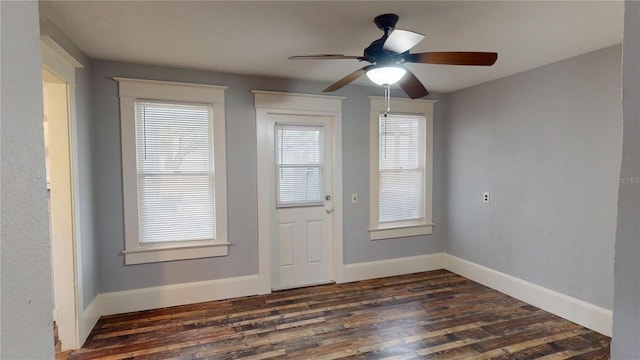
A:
(401, 168)
(174, 170)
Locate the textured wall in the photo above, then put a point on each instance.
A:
(84, 127)
(27, 330)
(241, 179)
(546, 144)
(626, 307)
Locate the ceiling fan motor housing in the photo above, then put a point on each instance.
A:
(374, 53)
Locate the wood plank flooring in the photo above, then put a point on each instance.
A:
(430, 315)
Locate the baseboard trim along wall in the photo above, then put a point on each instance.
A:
(392, 267)
(580, 312)
(88, 319)
(588, 315)
(118, 302)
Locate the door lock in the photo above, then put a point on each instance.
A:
(328, 197)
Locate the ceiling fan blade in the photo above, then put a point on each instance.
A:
(346, 80)
(454, 58)
(323, 57)
(412, 86)
(400, 41)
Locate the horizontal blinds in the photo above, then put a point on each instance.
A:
(175, 172)
(401, 163)
(299, 165)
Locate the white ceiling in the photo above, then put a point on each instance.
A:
(257, 37)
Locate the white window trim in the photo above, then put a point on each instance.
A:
(399, 229)
(131, 90)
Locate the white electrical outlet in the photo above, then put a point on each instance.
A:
(485, 198)
(354, 198)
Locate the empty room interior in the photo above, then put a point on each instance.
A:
(241, 179)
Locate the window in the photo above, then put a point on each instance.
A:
(299, 165)
(173, 164)
(401, 168)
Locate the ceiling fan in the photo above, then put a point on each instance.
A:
(388, 54)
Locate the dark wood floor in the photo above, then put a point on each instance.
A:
(434, 315)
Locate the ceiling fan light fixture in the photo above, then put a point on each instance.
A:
(386, 75)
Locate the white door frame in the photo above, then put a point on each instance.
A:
(271, 102)
(68, 287)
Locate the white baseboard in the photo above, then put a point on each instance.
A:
(580, 312)
(591, 316)
(392, 267)
(119, 302)
(88, 319)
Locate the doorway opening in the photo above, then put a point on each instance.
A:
(61, 222)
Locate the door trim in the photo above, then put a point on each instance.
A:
(266, 104)
(57, 61)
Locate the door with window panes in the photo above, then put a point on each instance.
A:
(302, 157)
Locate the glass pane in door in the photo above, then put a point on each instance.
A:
(299, 165)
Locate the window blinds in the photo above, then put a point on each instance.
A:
(299, 165)
(175, 171)
(401, 164)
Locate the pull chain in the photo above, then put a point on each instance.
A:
(387, 109)
(387, 99)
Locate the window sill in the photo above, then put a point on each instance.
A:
(160, 254)
(393, 232)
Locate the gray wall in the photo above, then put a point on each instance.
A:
(626, 305)
(241, 179)
(546, 144)
(86, 256)
(26, 330)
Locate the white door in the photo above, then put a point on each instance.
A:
(302, 252)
